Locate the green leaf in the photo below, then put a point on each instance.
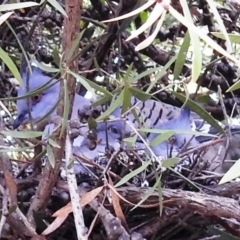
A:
(234, 87)
(74, 46)
(161, 138)
(232, 173)
(161, 73)
(170, 162)
(51, 157)
(139, 94)
(53, 143)
(8, 61)
(127, 76)
(130, 141)
(148, 194)
(132, 174)
(92, 85)
(58, 7)
(181, 57)
(14, 6)
(147, 73)
(221, 25)
(160, 198)
(234, 38)
(114, 104)
(204, 99)
(46, 68)
(196, 133)
(101, 101)
(56, 56)
(126, 100)
(41, 154)
(66, 108)
(200, 111)
(197, 53)
(144, 16)
(22, 134)
(81, 80)
(70, 163)
(22, 48)
(30, 94)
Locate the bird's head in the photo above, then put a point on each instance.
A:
(117, 129)
(40, 103)
(93, 148)
(172, 146)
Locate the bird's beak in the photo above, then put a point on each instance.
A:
(17, 122)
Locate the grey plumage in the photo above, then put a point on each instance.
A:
(105, 139)
(153, 114)
(40, 104)
(178, 140)
(212, 155)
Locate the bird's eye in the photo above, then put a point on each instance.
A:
(37, 98)
(114, 129)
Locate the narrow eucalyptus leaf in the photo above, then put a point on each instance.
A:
(46, 68)
(181, 57)
(22, 134)
(51, 157)
(66, 108)
(53, 143)
(126, 99)
(132, 174)
(14, 6)
(234, 38)
(232, 173)
(196, 133)
(200, 111)
(139, 94)
(82, 80)
(116, 103)
(75, 45)
(8, 61)
(58, 7)
(234, 87)
(161, 138)
(148, 193)
(130, 141)
(170, 162)
(101, 101)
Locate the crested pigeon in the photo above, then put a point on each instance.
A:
(154, 114)
(213, 155)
